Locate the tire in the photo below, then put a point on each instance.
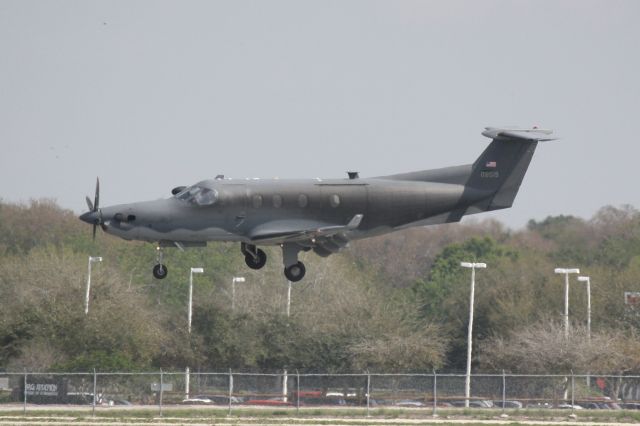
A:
(160, 271)
(295, 272)
(257, 262)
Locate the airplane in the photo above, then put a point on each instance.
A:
(318, 214)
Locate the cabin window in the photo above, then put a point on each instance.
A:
(303, 200)
(277, 201)
(334, 200)
(257, 201)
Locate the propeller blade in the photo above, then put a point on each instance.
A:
(96, 203)
(95, 214)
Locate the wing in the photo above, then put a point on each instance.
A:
(289, 231)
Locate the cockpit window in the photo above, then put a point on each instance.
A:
(198, 195)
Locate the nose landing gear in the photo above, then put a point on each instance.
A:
(160, 271)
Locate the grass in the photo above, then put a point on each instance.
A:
(308, 415)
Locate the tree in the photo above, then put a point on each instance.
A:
(397, 302)
(402, 258)
(543, 348)
(46, 313)
(444, 295)
(418, 350)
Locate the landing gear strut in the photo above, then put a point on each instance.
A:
(160, 271)
(294, 270)
(254, 257)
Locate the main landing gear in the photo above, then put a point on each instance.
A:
(294, 270)
(254, 257)
(160, 271)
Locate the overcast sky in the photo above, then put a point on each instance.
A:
(150, 95)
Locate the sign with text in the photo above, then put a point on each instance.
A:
(43, 390)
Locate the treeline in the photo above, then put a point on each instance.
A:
(393, 303)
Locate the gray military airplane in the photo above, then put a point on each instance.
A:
(321, 215)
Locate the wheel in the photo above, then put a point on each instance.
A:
(160, 271)
(295, 272)
(256, 262)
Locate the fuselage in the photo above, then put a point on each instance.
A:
(241, 206)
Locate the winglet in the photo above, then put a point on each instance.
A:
(533, 134)
(354, 222)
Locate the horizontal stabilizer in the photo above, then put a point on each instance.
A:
(533, 134)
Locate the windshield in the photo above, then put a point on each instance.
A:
(198, 195)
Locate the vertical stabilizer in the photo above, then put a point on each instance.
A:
(500, 169)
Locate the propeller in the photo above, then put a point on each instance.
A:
(94, 215)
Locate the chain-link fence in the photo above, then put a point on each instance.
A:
(291, 390)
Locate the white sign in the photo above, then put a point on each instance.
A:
(166, 387)
(632, 298)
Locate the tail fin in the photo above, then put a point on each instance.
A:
(492, 181)
(497, 173)
(503, 164)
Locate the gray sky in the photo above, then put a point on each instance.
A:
(149, 95)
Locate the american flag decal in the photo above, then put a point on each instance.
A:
(491, 164)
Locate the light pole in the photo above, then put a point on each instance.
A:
(288, 299)
(233, 291)
(193, 271)
(467, 382)
(566, 272)
(588, 281)
(86, 298)
(285, 376)
(190, 310)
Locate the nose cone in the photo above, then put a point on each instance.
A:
(89, 217)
